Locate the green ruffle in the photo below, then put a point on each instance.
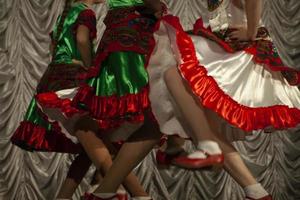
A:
(121, 73)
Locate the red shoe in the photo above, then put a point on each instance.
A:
(163, 158)
(269, 197)
(211, 161)
(90, 196)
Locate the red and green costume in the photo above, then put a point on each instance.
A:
(36, 131)
(113, 91)
(119, 91)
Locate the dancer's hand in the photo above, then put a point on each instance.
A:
(240, 33)
(158, 14)
(79, 63)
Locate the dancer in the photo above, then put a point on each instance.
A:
(126, 43)
(237, 88)
(45, 128)
(122, 102)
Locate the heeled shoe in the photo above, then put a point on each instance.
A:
(268, 197)
(90, 196)
(209, 161)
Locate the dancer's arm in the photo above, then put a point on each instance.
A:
(253, 13)
(84, 45)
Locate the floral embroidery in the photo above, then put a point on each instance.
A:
(61, 76)
(263, 50)
(127, 30)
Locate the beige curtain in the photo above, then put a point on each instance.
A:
(282, 18)
(24, 27)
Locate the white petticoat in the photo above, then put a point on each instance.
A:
(246, 82)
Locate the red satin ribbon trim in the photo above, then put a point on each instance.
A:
(212, 97)
(112, 106)
(51, 100)
(30, 136)
(109, 112)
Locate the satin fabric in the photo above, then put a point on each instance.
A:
(124, 3)
(66, 43)
(65, 123)
(124, 78)
(33, 116)
(40, 129)
(118, 93)
(121, 73)
(273, 102)
(273, 160)
(248, 83)
(163, 106)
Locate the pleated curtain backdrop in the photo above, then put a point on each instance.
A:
(24, 53)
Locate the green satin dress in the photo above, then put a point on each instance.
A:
(122, 72)
(124, 3)
(120, 91)
(117, 90)
(36, 132)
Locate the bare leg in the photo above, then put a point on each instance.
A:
(77, 170)
(233, 162)
(131, 153)
(205, 126)
(100, 156)
(131, 182)
(192, 111)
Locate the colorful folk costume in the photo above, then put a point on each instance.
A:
(114, 91)
(39, 131)
(117, 94)
(241, 81)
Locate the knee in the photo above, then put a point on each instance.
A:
(170, 74)
(105, 159)
(86, 124)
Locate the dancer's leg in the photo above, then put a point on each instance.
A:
(233, 162)
(131, 182)
(100, 156)
(192, 111)
(76, 172)
(131, 153)
(206, 125)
